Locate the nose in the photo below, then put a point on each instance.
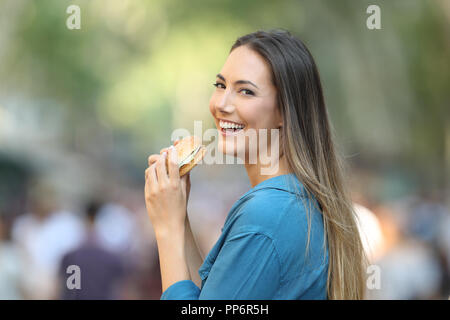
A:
(224, 103)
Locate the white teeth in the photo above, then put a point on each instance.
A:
(230, 125)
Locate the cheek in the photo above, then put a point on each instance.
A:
(211, 105)
(259, 116)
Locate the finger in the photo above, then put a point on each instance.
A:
(153, 158)
(187, 177)
(164, 150)
(176, 142)
(151, 179)
(161, 170)
(174, 173)
(184, 182)
(184, 179)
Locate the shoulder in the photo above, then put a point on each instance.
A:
(289, 222)
(273, 212)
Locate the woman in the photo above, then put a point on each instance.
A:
(294, 234)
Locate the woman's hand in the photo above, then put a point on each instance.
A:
(188, 178)
(166, 193)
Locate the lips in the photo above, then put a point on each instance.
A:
(230, 127)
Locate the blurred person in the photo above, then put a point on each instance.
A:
(45, 234)
(409, 268)
(370, 230)
(425, 216)
(11, 264)
(443, 243)
(368, 223)
(294, 234)
(144, 282)
(115, 226)
(102, 271)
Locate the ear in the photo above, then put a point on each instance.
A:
(279, 119)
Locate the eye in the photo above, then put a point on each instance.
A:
(219, 85)
(247, 92)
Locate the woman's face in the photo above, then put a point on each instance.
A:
(245, 96)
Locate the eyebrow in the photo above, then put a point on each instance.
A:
(237, 81)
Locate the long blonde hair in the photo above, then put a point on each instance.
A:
(307, 144)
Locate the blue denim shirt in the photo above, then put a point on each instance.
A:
(261, 253)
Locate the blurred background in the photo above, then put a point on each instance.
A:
(81, 110)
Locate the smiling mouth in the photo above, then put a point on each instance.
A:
(232, 130)
(228, 127)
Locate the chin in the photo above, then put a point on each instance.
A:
(229, 146)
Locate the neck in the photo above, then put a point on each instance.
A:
(255, 171)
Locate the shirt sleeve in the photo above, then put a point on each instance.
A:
(247, 268)
(181, 290)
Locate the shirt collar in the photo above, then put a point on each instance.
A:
(286, 182)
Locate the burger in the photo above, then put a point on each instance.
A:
(190, 152)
